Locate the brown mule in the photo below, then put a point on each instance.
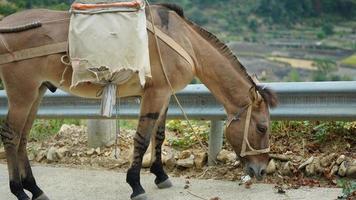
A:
(25, 81)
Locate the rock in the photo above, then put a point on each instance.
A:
(171, 163)
(2, 153)
(90, 152)
(271, 167)
(97, 150)
(168, 158)
(201, 158)
(287, 169)
(340, 159)
(186, 163)
(146, 161)
(334, 170)
(343, 169)
(318, 168)
(31, 156)
(62, 152)
(327, 160)
(112, 155)
(226, 156)
(307, 162)
(310, 170)
(236, 163)
(281, 157)
(51, 154)
(351, 171)
(167, 154)
(185, 154)
(40, 156)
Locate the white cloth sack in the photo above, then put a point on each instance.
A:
(108, 46)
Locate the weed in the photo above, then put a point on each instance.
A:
(43, 129)
(186, 137)
(348, 188)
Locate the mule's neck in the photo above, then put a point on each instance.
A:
(221, 74)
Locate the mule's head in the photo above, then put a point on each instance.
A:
(248, 130)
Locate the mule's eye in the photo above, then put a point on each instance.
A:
(262, 128)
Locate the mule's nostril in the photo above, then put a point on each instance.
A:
(262, 172)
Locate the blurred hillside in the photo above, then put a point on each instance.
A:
(266, 32)
(234, 18)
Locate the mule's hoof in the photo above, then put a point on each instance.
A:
(42, 197)
(140, 197)
(165, 184)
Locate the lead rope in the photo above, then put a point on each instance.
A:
(170, 85)
(117, 124)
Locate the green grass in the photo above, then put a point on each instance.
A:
(350, 61)
(43, 129)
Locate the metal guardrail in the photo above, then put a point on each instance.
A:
(298, 101)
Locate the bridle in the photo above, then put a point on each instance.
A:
(245, 142)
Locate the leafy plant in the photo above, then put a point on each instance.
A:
(348, 188)
(185, 136)
(43, 129)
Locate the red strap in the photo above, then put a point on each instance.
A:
(82, 6)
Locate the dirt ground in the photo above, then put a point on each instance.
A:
(69, 148)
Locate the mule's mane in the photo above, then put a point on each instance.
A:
(268, 95)
(224, 49)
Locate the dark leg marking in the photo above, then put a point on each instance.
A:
(153, 116)
(28, 180)
(6, 132)
(17, 189)
(10, 141)
(157, 166)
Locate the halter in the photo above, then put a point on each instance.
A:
(245, 142)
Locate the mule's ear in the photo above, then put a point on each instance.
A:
(268, 95)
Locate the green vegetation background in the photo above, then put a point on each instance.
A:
(231, 17)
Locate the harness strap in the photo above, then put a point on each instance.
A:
(33, 52)
(173, 44)
(246, 143)
(62, 47)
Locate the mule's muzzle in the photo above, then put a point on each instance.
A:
(257, 171)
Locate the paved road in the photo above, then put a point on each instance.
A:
(73, 184)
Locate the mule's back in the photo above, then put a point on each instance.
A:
(54, 29)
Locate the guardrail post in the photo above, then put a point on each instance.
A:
(101, 132)
(215, 141)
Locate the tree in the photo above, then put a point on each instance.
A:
(324, 71)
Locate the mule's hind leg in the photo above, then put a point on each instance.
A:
(21, 84)
(27, 179)
(162, 179)
(154, 104)
(19, 107)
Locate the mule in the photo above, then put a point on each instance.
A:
(246, 103)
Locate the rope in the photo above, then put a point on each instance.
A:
(170, 85)
(117, 125)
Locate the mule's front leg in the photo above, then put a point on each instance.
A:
(162, 180)
(153, 105)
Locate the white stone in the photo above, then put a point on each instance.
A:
(51, 154)
(226, 156)
(186, 163)
(307, 162)
(340, 159)
(342, 169)
(271, 167)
